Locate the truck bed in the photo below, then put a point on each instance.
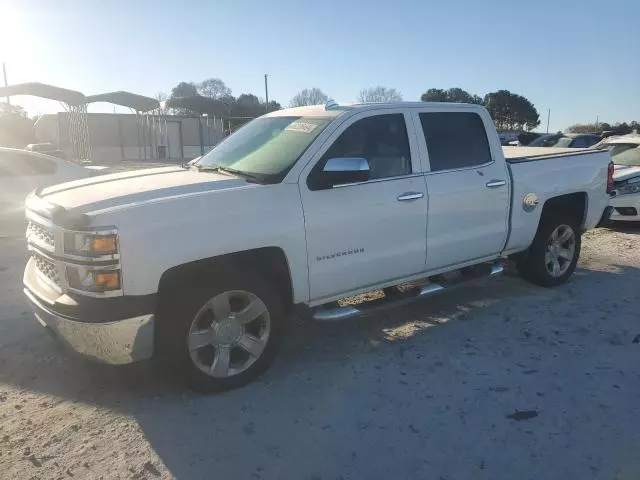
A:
(527, 154)
(551, 172)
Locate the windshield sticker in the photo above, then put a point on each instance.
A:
(303, 127)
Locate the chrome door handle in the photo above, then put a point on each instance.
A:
(405, 197)
(496, 183)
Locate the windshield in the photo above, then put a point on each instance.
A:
(266, 146)
(625, 154)
(551, 141)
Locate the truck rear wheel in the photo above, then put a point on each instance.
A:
(554, 253)
(226, 334)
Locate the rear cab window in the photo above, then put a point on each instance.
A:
(455, 140)
(579, 142)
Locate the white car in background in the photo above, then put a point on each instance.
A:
(21, 172)
(625, 153)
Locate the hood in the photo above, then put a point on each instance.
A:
(135, 187)
(622, 173)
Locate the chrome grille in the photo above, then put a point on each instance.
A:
(47, 269)
(40, 235)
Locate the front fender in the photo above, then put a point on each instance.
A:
(158, 236)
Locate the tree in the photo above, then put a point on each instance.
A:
(379, 94)
(248, 105)
(162, 97)
(184, 89)
(309, 96)
(434, 95)
(16, 128)
(623, 128)
(589, 127)
(213, 97)
(273, 106)
(456, 95)
(511, 112)
(213, 88)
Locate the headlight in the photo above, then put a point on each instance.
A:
(629, 188)
(90, 244)
(92, 279)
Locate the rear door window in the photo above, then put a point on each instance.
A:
(455, 140)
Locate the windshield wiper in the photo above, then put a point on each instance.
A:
(249, 177)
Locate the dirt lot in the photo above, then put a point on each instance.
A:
(503, 380)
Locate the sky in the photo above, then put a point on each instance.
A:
(580, 59)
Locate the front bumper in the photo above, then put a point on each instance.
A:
(123, 341)
(626, 208)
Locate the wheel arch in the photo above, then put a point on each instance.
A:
(574, 204)
(271, 262)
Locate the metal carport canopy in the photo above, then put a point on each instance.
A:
(70, 97)
(139, 103)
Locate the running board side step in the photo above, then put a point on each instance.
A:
(365, 308)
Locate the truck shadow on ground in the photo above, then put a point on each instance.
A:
(625, 227)
(366, 394)
(307, 344)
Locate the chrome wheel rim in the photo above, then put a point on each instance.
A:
(561, 247)
(229, 333)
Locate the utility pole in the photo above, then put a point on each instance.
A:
(6, 84)
(266, 94)
(597, 118)
(548, 118)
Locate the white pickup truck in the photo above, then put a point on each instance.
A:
(299, 209)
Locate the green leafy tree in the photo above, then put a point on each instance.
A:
(184, 89)
(511, 112)
(434, 95)
(379, 94)
(456, 95)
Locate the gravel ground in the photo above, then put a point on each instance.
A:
(502, 380)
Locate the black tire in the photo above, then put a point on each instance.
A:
(176, 321)
(532, 265)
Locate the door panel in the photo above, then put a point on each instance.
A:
(366, 233)
(174, 140)
(467, 219)
(468, 189)
(362, 234)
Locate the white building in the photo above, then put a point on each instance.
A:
(115, 137)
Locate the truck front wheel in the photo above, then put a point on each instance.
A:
(554, 253)
(225, 334)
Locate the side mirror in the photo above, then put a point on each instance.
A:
(341, 171)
